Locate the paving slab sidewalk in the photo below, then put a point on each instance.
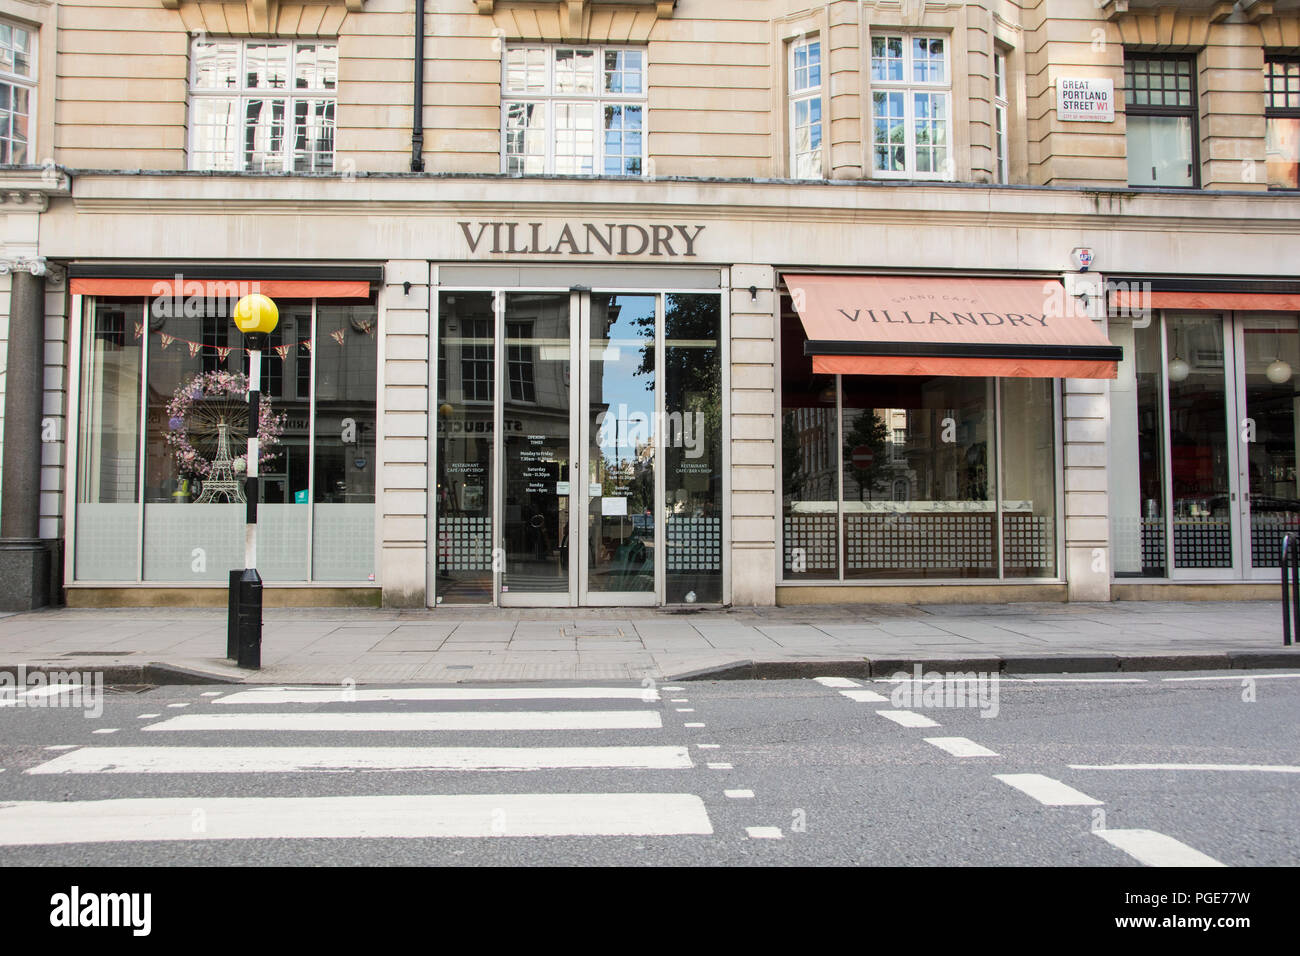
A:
(331, 645)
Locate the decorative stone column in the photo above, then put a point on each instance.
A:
(24, 557)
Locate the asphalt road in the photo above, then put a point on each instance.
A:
(1159, 769)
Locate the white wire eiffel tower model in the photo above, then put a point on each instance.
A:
(221, 483)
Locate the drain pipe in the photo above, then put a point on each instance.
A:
(417, 119)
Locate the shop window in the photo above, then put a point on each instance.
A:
(263, 106)
(17, 93)
(1160, 100)
(1282, 119)
(164, 428)
(910, 107)
(805, 112)
(914, 477)
(573, 111)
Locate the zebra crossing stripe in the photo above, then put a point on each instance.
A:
(305, 759)
(315, 695)
(441, 720)
(30, 823)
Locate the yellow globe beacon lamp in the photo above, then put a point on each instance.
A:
(256, 317)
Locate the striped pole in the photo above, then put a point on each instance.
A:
(249, 609)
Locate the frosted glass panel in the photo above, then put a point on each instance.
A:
(281, 542)
(192, 542)
(344, 542)
(107, 541)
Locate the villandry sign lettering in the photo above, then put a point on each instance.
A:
(580, 239)
(905, 317)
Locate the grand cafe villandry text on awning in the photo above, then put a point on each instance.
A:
(908, 325)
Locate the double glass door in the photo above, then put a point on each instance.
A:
(1211, 489)
(570, 501)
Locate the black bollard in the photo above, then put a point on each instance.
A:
(250, 619)
(232, 616)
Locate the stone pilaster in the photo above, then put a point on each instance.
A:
(753, 435)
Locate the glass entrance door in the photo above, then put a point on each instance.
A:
(579, 453)
(536, 439)
(621, 558)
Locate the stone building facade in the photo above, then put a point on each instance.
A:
(549, 338)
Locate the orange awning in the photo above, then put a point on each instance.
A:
(223, 288)
(1135, 301)
(903, 325)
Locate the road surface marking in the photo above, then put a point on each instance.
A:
(211, 693)
(763, 833)
(1047, 791)
(1155, 849)
(680, 700)
(303, 759)
(708, 746)
(178, 705)
(1188, 680)
(105, 730)
(50, 690)
(907, 718)
(863, 696)
(62, 747)
(836, 682)
(719, 766)
(441, 720)
(739, 794)
(147, 716)
(1227, 767)
(673, 688)
(301, 818)
(961, 747)
(685, 710)
(693, 725)
(278, 695)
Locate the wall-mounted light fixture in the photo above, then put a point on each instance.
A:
(753, 293)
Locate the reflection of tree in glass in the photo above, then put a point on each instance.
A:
(869, 431)
(692, 373)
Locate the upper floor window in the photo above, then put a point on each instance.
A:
(573, 111)
(805, 85)
(17, 92)
(1160, 99)
(1282, 117)
(1001, 166)
(910, 106)
(263, 106)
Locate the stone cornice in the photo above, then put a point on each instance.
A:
(28, 189)
(508, 198)
(263, 15)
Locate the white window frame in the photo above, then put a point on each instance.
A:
(27, 82)
(805, 94)
(599, 99)
(1001, 119)
(290, 94)
(910, 88)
